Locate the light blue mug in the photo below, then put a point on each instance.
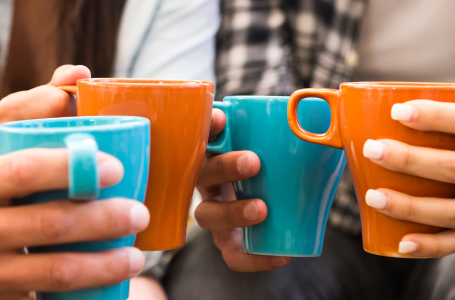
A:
(126, 138)
(297, 180)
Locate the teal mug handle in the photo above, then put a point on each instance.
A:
(223, 142)
(82, 166)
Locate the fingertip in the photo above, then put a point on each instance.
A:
(262, 211)
(111, 172)
(255, 163)
(218, 122)
(69, 74)
(280, 261)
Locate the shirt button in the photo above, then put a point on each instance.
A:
(351, 58)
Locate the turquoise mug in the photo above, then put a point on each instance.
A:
(297, 180)
(126, 138)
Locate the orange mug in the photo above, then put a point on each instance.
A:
(361, 111)
(179, 112)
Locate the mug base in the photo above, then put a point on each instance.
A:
(287, 254)
(393, 254)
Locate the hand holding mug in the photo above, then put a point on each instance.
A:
(435, 164)
(45, 101)
(33, 170)
(219, 213)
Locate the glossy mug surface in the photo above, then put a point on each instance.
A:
(361, 111)
(179, 112)
(297, 180)
(83, 137)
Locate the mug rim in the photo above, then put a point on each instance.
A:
(397, 85)
(131, 122)
(143, 82)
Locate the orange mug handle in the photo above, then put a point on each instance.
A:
(69, 88)
(332, 137)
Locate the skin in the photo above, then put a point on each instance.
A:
(29, 171)
(427, 163)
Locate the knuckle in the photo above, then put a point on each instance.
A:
(54, 223)
(20, 169)
(57, 103)
(230, 261)
(407, 209)
(62, 273)
(451, 168)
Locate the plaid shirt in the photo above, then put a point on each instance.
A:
(274, 47)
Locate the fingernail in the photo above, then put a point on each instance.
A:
(111, 172)
(137, 260)
(404, 112)
(373, 149)
(407, 247)
(376, 199)
(244, 164)
(278, 261)
(140, 217)
(251, 211)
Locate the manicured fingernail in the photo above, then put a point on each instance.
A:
(278, 261)
(244, 164)
(111, 172)
(137, 260)
(407, 247)
(376, 199)
(404, 112)
(251, 211)
(373, 149)
(140, 217)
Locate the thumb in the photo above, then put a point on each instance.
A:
(69, 74)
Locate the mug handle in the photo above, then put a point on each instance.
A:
(223, 142)
(82, 166)
(332, 137)
(69, 88)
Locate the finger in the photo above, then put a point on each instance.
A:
(32, 170)
(68, 271)
(229, 167)
(228, 243)
(217, 123)
(428, 245)
(430, 211)
(42, 102)
(426, 115)
(233, 214)
(69, 74)
(62, 222)
(418, 161)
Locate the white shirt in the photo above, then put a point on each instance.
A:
(167, 39)
(407, 40)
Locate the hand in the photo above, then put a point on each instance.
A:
(423, 162)
(223, 216)
(29, 171)
(45, 101)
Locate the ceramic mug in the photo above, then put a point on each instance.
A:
(83, 137)
(361, 111)
(297, 180)
(179, 112)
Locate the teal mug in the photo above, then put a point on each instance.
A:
(126, 138)
(297, 180)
